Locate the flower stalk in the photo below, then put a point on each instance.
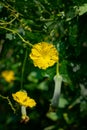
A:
(24, 117)
(23, 111)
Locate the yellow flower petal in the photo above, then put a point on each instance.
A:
(22, 98)
(8, 75)
(30, 102)
(44, 55)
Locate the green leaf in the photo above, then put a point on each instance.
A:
(52, 115)
(9, 36)
(33, 77)
(62, 102)
(50, 127)
(43, 86)
(83, 9)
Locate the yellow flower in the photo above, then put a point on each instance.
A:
(44, 55)
(22, 98)
(8, 75)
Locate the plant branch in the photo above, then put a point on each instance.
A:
(4, 23)
(9, 102)
(15, 32)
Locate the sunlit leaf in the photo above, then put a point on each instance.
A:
(62, 102)
(83, 9)
(52, 115)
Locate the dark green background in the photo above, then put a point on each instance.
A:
(63, 23)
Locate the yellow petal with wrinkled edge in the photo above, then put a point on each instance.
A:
(44, 55)
(22, 98)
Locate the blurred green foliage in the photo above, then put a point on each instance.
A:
(63, 23)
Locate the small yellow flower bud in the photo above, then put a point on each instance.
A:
(8, 75)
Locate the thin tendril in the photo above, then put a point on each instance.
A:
(9, 102)
(15, 32)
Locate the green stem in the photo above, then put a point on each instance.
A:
(57, 68)
(27, 42)
(4, 23)
(23, 68)
(15, 32)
